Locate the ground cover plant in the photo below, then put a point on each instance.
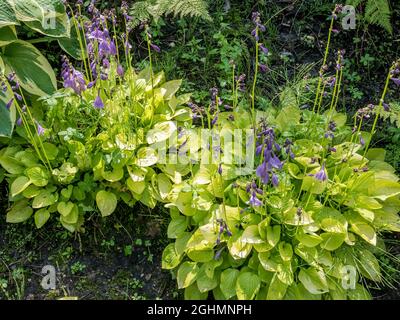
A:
(283, 198)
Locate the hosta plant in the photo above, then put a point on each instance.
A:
(306, 221)
(87, 146)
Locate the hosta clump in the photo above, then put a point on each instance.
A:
(90, 158)
(309, 214)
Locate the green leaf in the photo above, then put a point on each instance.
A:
(187, 274)
(106, 202)
(19, 212)
(286, 251)
(7, 35)
(314, 280)
(384, 189)
(32, 69)
(41, 217)
(31, 192)
(331, 220)
(369, 265)
(7, 14)
(251, 235)
(44, 199)
(164, 185)
(170, 258)
(113, 176)
(65, 208)
(332, 241)
(170, 87)
(7, 117)
(277, 289)
(360, 227)
(45, 16)
(161, 131)
(193, 293)
(247, 286)
(38, 176)
(378, 154)
(228, 282)
(206, 283)
(146, 157)
(19, 185)
(200, 255)
(359, 293)
(273, 235)
(177, 227)
(72, 46)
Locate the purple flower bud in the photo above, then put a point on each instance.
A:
(40, 130)
(98, 103)
(18, 96)
(396, 81)
(155, 47)
(263, 68)
(120, 71)
(362, 141)
(321, 174)
(106, 63)
(19, 122)
(220, 169)
(9, 103)
(264, 49)
(254, 201)
(275, 180)
(91, 84)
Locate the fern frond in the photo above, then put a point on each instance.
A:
(192, 8)
(378, 12)
(144, 10)
(139, 12)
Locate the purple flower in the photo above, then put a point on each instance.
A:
(396, 81)
(275, 180)
(98, 103)
(264, 49)
(263, 68)
(40, 129)
(72, 78)
(9, 104)
(254, 201)
(276, 163)
(362, 141)
(120, 71)
(220, 169)
(321, 174)
(18, 96)
(91, 84)
(263, 173)
(155, 47)
(214, 121)
(19, 121)
(106, 63)
(386, 107)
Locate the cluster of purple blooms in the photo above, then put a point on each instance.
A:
(15, 86)
(100, 47)
(254, 190)
(12, 79)
(267, 148)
